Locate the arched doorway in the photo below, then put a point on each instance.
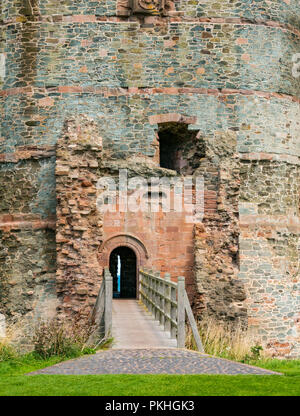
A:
(123, 268)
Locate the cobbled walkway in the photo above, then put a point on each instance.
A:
(151, 361)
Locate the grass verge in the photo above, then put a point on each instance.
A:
(14, 382)
(54, 343)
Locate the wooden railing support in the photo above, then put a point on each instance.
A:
(108, 302)
(102, 313)
(168, 302)
(167, 325)
(192, 322)
(180, 313)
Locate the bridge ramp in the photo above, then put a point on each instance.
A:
(133, 327)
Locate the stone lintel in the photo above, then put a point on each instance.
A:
(19, 221)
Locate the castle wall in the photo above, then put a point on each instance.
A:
(229, 65)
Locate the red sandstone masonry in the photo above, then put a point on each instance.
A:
(172, 117)
(79, 225)
(28, 152)
(17, 221)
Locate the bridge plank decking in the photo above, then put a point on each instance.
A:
(133, 327)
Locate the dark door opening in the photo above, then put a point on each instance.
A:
(179, 148)
(122, 266)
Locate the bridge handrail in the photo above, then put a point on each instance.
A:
(102, 313)
(168, 302)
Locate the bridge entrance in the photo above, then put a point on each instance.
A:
(123, 268)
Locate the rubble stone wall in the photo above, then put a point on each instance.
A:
(78, 222)
(269, 251)
(222, 294)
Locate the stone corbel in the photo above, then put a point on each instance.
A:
(126, 8)
(152, 7)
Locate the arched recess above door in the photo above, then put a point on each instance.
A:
(123, 239)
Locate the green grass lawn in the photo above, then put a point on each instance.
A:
(14, 382)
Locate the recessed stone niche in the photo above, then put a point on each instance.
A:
(144, 7)
(153, 7)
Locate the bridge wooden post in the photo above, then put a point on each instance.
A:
(139, 296)
(108, 303)
(168, 302)
(157, 297)
(151, 283)
(143, 289)
(180, 313)
(162, 303)
(167, 293)
(193, 323)
(173, 312)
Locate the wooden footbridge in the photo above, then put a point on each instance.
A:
(157, 319)
(149, 334)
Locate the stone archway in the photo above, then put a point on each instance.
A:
(124, 241)
(123, 268)
(120, 240)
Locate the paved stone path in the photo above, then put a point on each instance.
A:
(142, 347)
(151, 361)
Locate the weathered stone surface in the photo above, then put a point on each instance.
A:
(224, 70)
(216, 239)
(27, 278)
(78, 223)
